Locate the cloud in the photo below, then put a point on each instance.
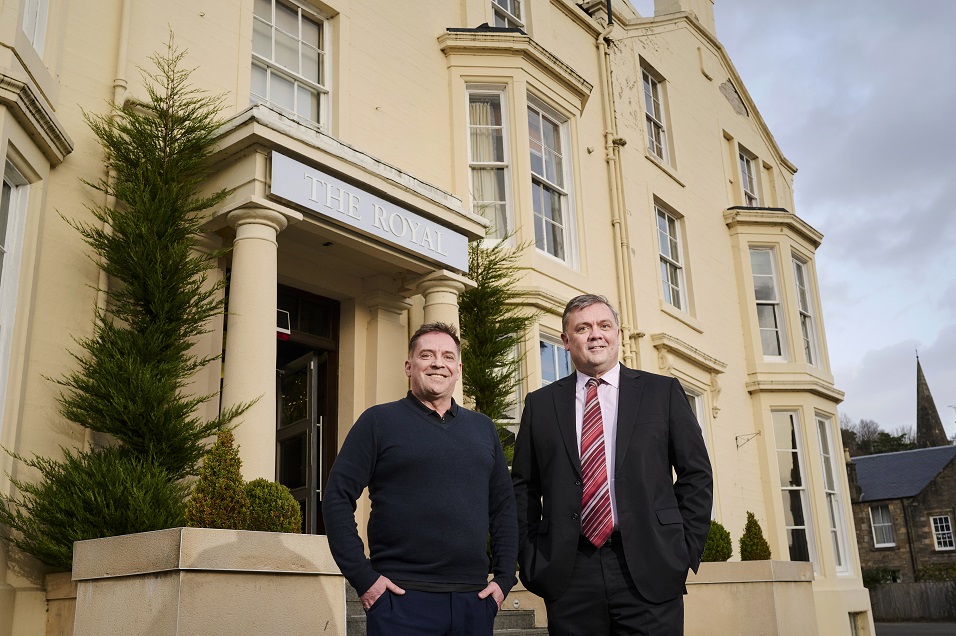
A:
(854, 97)
(883, 388)
(857, 96)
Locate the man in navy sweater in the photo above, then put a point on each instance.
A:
(438, 484)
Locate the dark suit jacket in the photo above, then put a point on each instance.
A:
(663, 523)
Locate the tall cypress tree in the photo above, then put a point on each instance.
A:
(492, 327)
(132, 373)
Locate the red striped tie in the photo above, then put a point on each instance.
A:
(596, 521)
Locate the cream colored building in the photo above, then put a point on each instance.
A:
(367, 142)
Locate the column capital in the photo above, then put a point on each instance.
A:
(440, 280)
(252, 210)
(381, 299)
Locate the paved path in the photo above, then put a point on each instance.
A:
(916, 629)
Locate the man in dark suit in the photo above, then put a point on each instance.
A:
(606, 533)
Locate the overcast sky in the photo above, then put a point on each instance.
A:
(860, 95)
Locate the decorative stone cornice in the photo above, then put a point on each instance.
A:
(542, 299)
(739, 216)
(472, 42)
(36, 118)
(668, 344)
(810, 385)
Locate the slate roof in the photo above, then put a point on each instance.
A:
(902, 474)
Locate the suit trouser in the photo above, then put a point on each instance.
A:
(417, 613)
(602, 599)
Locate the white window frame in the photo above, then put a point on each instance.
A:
(942, 527)
(671, 249)
(775, 304)
(808, 329)
(832, 489)
(273, 68)
(508, 14)
(514, 414)
(556, 351)
(884, 522)
(15, 195)
(793, 449)
(35, 14)
(475, 166)
(654, 114)
(749, 177)
(560, 186)
(696, 400)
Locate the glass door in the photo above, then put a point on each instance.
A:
(299, 435)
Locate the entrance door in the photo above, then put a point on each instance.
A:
(306, 398)
(299, 436)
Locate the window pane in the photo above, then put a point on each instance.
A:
(564, 362)
(767, 317)
(292, 462)
(259, 81)
(307, 103)
(5, 212)
(556, 242)
(760, 262)
(282, 92)
(311, 64)
(287, 51)
(539, 233)
(784, 431)
(799, 550)
(793, 508)
(549, 372)
(488, 184)
(789, 467)
(535, 142)
(263, 9)
(666, 283)
(311, 32)
(487, 144)
(262, 39)
(551, 204)
(764, 288)
(287, 19)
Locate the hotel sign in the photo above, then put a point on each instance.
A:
(336, 199)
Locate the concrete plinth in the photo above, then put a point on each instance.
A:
(204, 582)
(772, 598)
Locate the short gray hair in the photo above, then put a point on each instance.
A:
(435, 327)
(586, 300)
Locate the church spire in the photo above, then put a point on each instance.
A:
(929, 426)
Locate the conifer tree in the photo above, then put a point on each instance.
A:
(719, 546)
(131, 379)
(753, 546)
(219, 499)
(492, 327)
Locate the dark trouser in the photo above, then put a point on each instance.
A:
(603, 601)
(431, 614)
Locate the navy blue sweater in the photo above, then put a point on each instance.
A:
(437, 488)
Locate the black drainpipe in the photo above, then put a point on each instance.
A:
(610, 16)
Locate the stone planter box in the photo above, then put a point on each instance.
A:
(60, 603)
(205, 582)
(772, 598)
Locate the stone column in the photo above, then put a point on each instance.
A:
(441, 289)
(249, 371)
(386, 342)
